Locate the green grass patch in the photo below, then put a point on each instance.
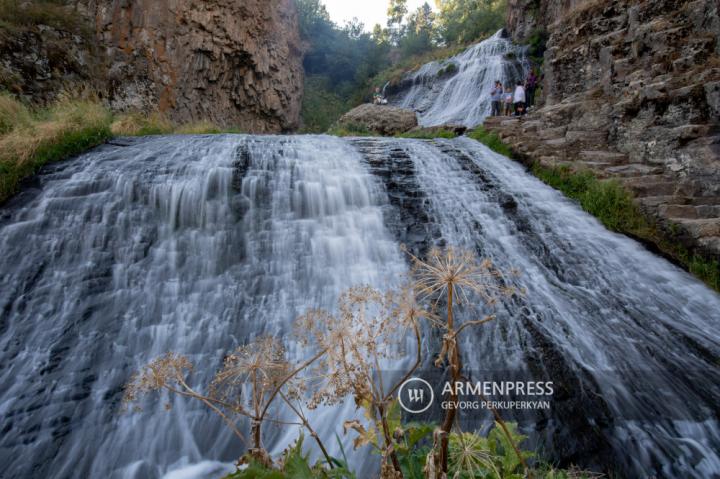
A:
(491, 140)
(607, 200)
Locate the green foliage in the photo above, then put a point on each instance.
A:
(30, 139)
(537, 44)
(492, 457)
(491, 140)
(321, 107)
(293, 465)
(413, 448)
(463, 21)
(607, 200)
(449, 69)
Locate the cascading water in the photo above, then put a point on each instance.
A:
(630, 340)
(185, 244)
(463, 98)
(197, 244)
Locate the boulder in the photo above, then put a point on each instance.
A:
(382, 119)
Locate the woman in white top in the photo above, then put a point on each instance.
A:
(519, 99)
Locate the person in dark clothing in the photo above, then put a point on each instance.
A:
(530, 87)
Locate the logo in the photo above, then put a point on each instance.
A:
(415, 395)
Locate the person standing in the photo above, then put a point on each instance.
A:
(496, 98)
(508, 100)
(519, 99)
(530, 87)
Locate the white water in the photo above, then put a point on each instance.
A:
(186, 244)
(464, 98)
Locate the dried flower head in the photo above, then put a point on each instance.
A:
(460, 273)
(260, 366)
(164, 372)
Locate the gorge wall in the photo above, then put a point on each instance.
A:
(631, 90)
(234, 63)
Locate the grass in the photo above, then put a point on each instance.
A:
(139, 124)
(491, 140)
(30, 139)
(616, 208)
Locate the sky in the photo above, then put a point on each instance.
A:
(369, 12)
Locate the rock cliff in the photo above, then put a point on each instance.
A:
(631, 91)
(233, 62)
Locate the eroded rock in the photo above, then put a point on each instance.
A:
(382, 119)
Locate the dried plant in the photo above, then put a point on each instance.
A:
(456, 276)
(368, 329)
(251, 379)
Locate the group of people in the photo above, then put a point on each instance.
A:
(509, 101)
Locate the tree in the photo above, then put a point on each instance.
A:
(420, 31)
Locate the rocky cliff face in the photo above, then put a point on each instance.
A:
(233, 62)
(631, 91)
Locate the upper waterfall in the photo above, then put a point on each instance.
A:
(463, 98)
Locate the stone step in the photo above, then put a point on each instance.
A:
(634, 169)
(690, 211)
(656, 201)
(700, 228)
(647, 187)
(711, 243)
(609, 157)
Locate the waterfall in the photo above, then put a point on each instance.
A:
(197, 244)
(185, 244)
(462, 98)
